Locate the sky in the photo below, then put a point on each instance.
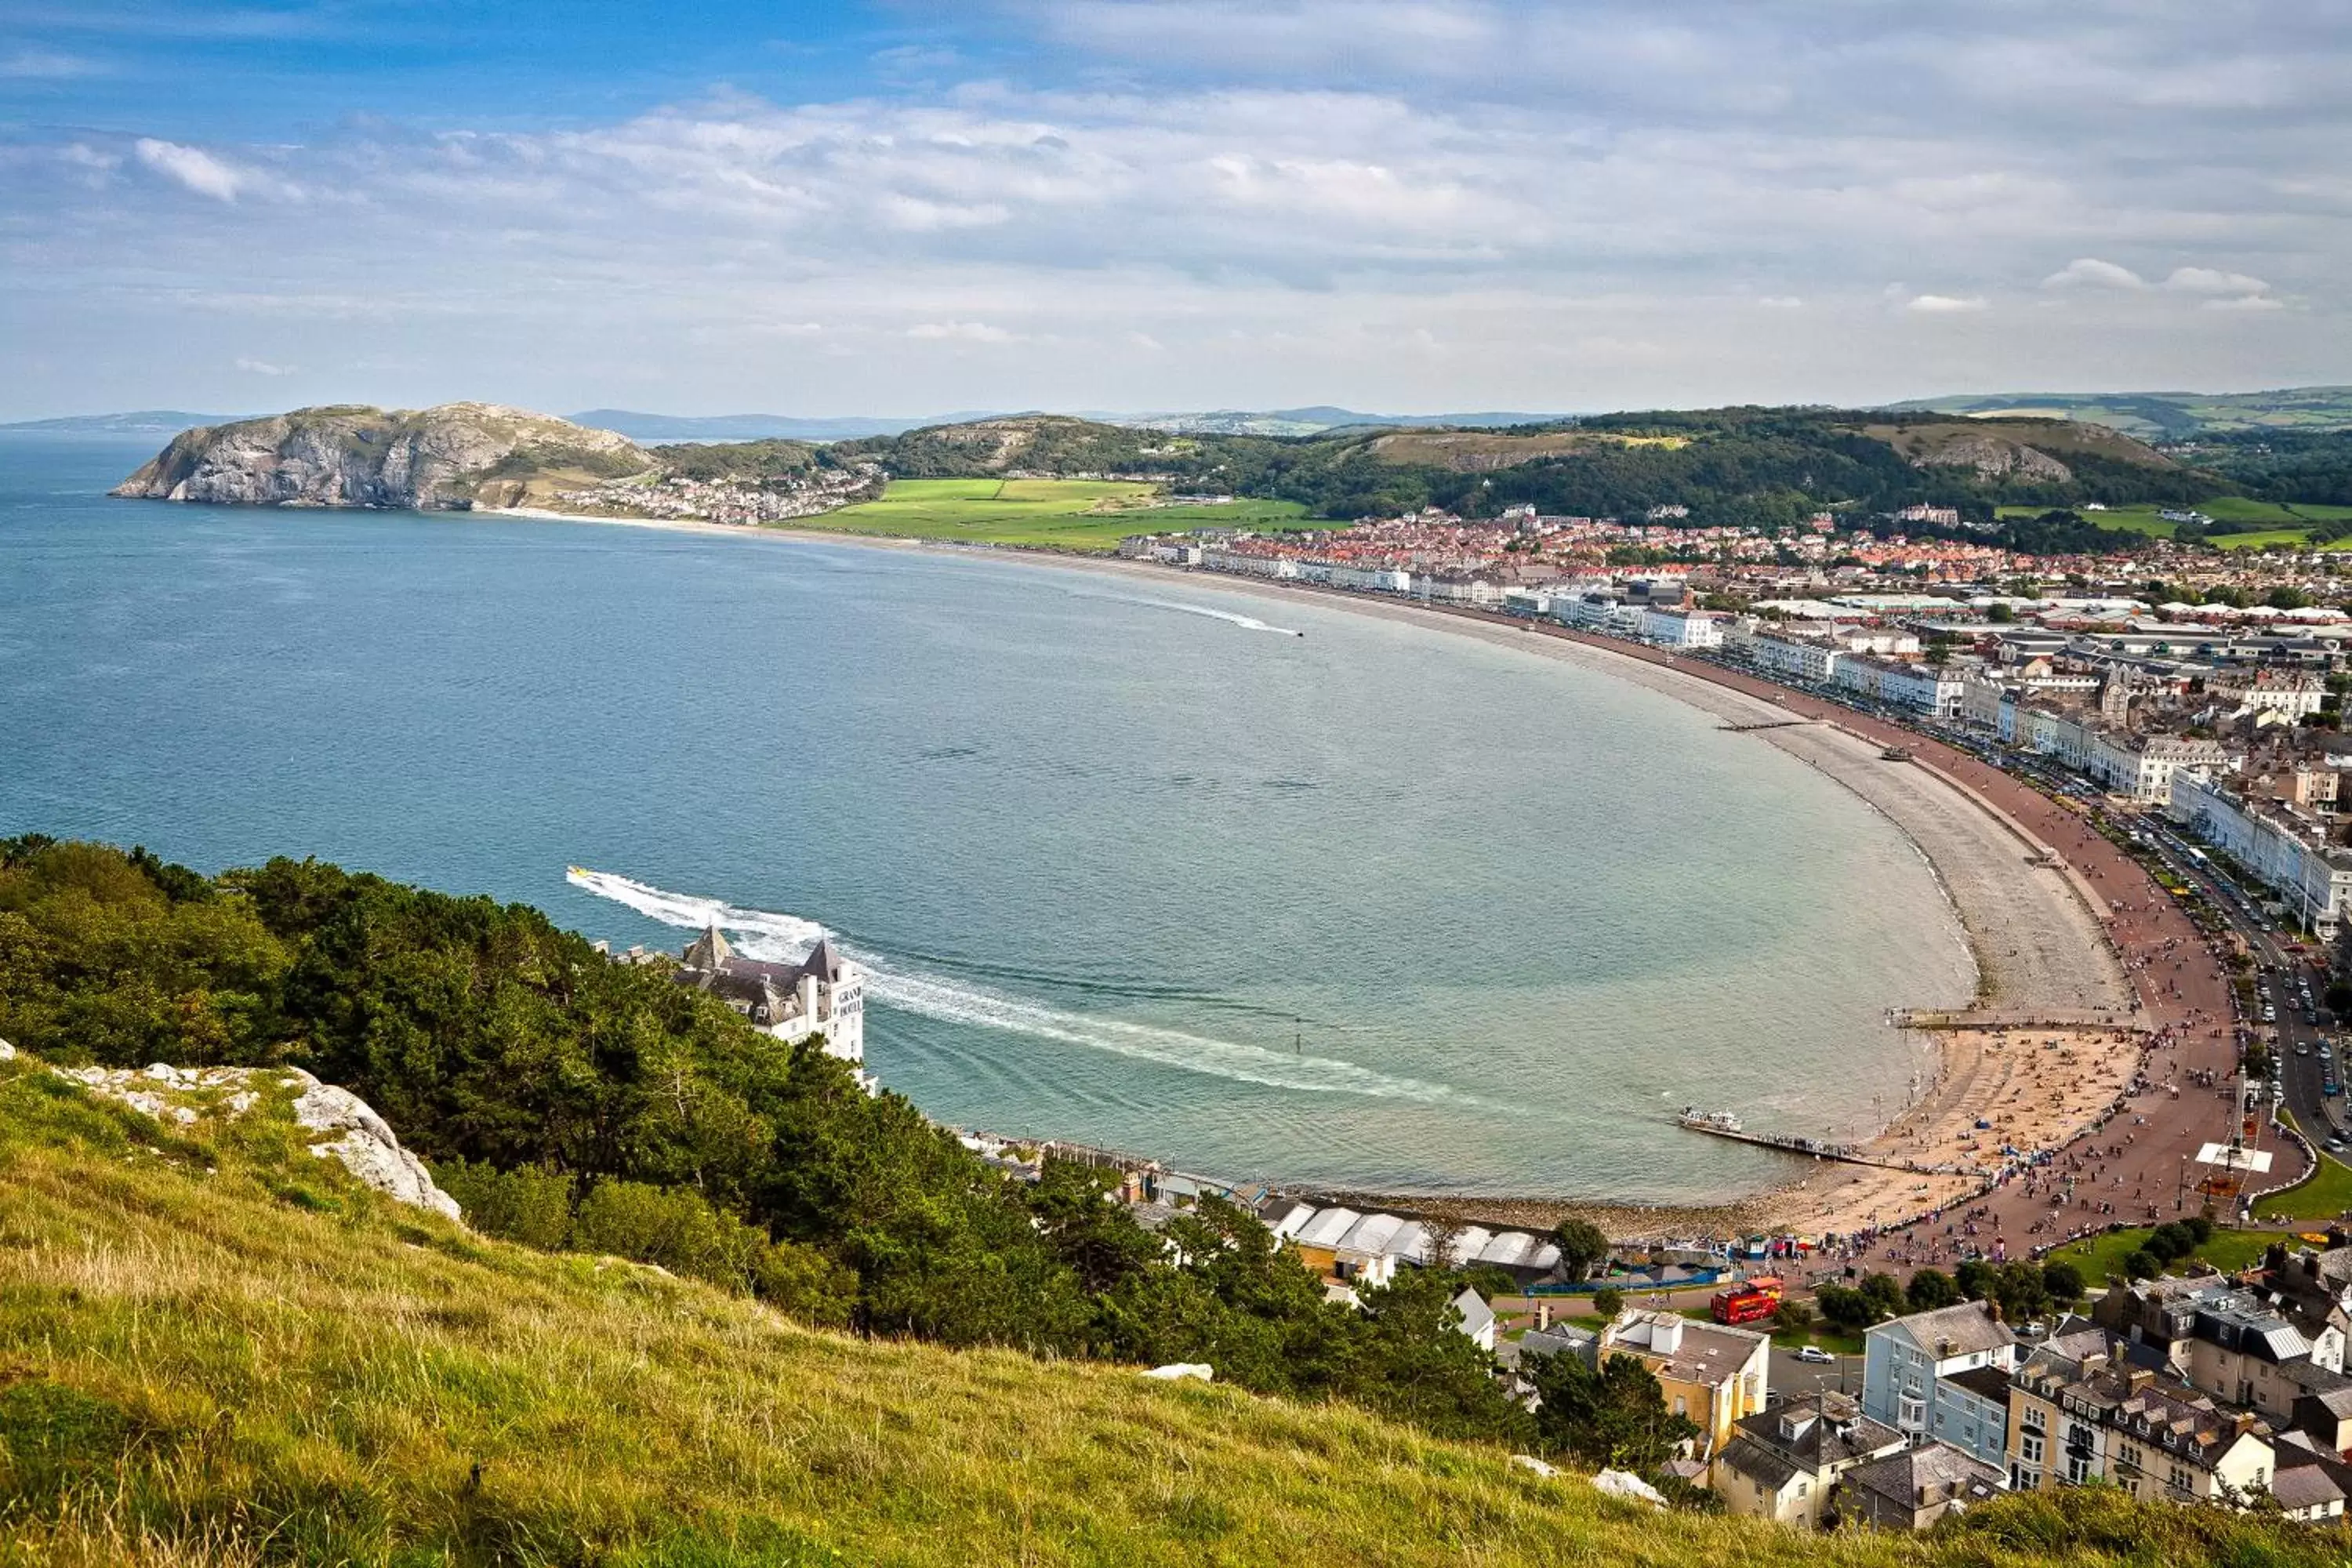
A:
(1396, 205)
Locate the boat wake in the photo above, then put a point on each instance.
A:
(1248, 623)
(762, 934)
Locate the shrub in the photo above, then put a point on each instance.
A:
(527, 1204)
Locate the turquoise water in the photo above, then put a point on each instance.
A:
(1377, 906)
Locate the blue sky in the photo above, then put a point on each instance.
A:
(1397, 205)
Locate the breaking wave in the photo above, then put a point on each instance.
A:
(1248, 623)
(760, 934)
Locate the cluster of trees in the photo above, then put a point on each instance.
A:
(2282, 465)
(2166, 1244)
(568, 1100)
(2024, 1291)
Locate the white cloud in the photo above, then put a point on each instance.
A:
(1781, 302)
(2244, 302)
(961, 332)
(45, 65)
(1943, 304)
(198, 170)
(2090, 272)
(2209, 281)
(262, 367)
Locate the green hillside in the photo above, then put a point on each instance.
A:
(1054, 514)
(216, 1349)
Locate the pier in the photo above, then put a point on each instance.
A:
(1763, 724)
(1787, 1144)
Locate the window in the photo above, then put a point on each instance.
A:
(2029, 1445)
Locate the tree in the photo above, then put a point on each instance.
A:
(2169, 1242)
(1608, 1301)
(1612, 1416)
(1582, 1248)
(2063, 1280)
(1930, 1289)
(2000, 615)
(1975, 1278)
(2019, 1289)
(2287, 598)
(1884, 1294)
(1795, 1317)
(2142, 1265)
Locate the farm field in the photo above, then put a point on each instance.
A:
(2286, 520)
(1059, 514)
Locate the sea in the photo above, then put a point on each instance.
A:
(1132, 863)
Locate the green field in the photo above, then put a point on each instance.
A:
(2324, 1194)
(1059, 514)
(2101, 1259)
(2285, 520)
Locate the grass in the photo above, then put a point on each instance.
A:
(2101, 1257)
(1063, 514)
(214, 1349)
(2322, 1196)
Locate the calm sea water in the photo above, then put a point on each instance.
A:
(1376, 906)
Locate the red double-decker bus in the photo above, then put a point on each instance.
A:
(1745, 1302)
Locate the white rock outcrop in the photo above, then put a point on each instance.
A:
(367, 1148)
(364, 1145)
(1629, 1485)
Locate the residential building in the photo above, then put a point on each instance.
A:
(2227, 1342)
(2286, 849)
(2293, 693)
(1909, 1368)
(1782, 1463)
(1913, 1489)
(1477, 1318)
(1681, 629)
(1711, 1374)
(2080, 1411)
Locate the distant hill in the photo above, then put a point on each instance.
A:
(1314, 421)
(2161, 416)
(639, 427)
(350, 455)
(143, 421)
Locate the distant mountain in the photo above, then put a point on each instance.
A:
(639, 427)
(1311, 421)
(2160, 416)
(142, 422)
(1314, 421)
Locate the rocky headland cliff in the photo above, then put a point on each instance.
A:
(459, 456)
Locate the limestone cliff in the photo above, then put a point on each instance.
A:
(349, 456)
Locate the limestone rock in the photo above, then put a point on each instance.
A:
(1529, 1462)
(1629, 1485)
(350, 456)
(365, 1146)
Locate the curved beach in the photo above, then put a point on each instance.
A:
(2059, 1031)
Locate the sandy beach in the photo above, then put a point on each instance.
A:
(2035, 930)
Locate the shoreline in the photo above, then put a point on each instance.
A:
(2036, 942)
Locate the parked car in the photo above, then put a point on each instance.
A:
(1814, 1354)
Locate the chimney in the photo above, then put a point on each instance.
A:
(2244, 1423)
(1992, 1308)
(2140, 1378)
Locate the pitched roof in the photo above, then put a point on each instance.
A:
(1927, 1476)
(825, 963)
(2304, 1486)
(1758, 1463)
(1969, 1328)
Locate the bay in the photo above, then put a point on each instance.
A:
(1377, 906)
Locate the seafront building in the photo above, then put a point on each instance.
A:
(823, 993)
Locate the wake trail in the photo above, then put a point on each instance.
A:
(1248, 623)
(782, 938)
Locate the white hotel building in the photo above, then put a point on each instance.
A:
(2280, 847)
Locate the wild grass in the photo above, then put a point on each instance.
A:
(197, 1367)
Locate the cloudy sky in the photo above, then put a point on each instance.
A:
(1401, 205)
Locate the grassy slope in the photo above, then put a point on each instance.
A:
(1069, 514)
(218, 1350)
